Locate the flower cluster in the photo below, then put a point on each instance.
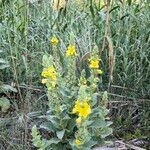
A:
(71, 51)
(54, 41)
(82, 108)
(94, 64)
(49, 75)
(77, 142)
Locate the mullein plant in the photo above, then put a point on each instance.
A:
(77, 118)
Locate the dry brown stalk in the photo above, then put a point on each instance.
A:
(110, 43)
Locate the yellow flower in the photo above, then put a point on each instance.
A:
(53, 76)
(77, 142)
(54, 41)
(94, 64)
(85, 110)
(50, 76)
(99, 71)
(82, 108)
(44, 81)
(51, 69)
(78, 120)
(71, 51)
(49, 72)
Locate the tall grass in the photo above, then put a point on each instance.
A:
(130, 33)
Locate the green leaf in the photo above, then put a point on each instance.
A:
(3, 66)
(101, 111)
(54, 120)
(6, 87)
(90, 144)
(63, 107)
(47, 126)
(64, 92)
(47, 61)
(99, 124)
(82, 94)
(34, 131)
(1, 27)
(2, 61)
(52, 141)
(90, 122)
(104, 111)
(65, 121)
(60, 134)
(114, 8)
(102, 123)
(71, 125)
(4, 104)
(25, 62)
(106, 132)
(94, 99)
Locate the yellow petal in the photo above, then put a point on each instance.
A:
(77, 142)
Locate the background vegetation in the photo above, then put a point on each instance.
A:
(25, 31)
